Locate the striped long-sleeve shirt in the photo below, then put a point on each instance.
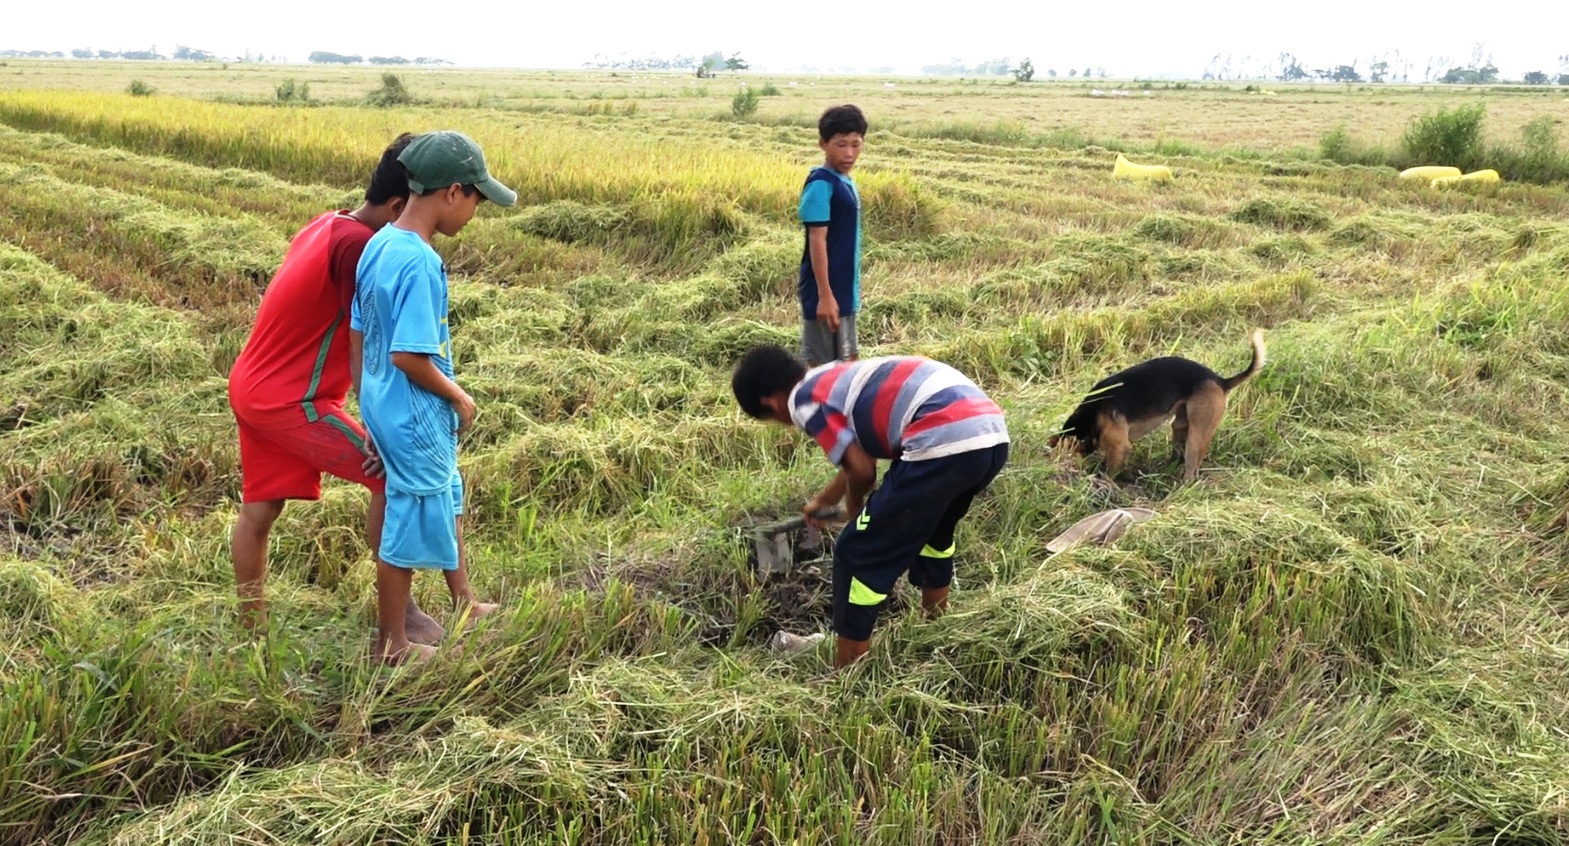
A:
(904, 407)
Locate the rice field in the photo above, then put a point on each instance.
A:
(1350, 630)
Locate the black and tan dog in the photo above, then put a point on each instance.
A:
(1128, 405)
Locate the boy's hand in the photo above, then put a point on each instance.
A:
(828, 312)
(372, 465)
(821, 502)
(464, 406)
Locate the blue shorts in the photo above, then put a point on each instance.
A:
(421, 532)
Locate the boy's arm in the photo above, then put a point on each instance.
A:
(347, 249)
(857, 469)
(817, 248)
(356, 358)
(416, 335)
(857, 472)
(424, 373)
(372, 465)
(815, 211)
(356, 341)
(861, 470)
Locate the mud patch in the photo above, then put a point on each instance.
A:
(15, 417)
(732, 604)
(800, 601)
(85, 559)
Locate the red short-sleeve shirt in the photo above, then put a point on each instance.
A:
(295, 366)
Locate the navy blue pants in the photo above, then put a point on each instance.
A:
(906, 525)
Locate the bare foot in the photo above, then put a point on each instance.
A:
(389, 655)
(422, 628)
(474, 611)
(253, 615)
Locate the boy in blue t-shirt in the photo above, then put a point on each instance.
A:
(412, 408)
(830, 283)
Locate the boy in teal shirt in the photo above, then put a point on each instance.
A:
(412, 408)
(830, 281)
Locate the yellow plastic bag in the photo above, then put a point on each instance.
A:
(1429, 172)
(1488, 175)
(1125, 169)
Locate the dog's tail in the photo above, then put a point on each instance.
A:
(1257, 340)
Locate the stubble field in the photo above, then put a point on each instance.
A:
(1350, 630)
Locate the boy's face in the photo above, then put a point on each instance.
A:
(457, 210)
(778, 406)
(842, 150)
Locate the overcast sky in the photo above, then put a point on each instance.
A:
(1137, 37)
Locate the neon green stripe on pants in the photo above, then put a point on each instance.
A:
(860, 594)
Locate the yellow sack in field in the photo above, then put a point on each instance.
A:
(1128, 170)
(1429, 172)
(1474, 177)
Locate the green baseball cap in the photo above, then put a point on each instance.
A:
(442, 158)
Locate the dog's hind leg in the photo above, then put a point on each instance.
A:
(1179, 432)
(1203, 412)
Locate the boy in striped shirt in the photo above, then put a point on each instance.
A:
(947, 441)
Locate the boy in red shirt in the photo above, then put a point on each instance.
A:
(288, 388)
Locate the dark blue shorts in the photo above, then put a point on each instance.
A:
(907, 525)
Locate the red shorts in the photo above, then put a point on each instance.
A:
(287, 463)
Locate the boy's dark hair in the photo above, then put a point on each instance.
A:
(391, 179)
(841, 120)
(765, 370)
(468, 190)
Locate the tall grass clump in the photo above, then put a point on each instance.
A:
(391, 93)
(1538, 158)
(657, 230)
(138, 88)
(1338, 145)
(1446, 137)
(289, 91)
(744, 103)
(1285, 213)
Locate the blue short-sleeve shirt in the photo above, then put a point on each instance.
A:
(830, 199)
(400, 305)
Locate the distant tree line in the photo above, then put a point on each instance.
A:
(324, 57)
(181, 53)
(1381, 67)
(680, 61)
(1024, 71)
(705, 66)
(957, 67)
(191, 54)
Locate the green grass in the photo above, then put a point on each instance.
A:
(1349, 631)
